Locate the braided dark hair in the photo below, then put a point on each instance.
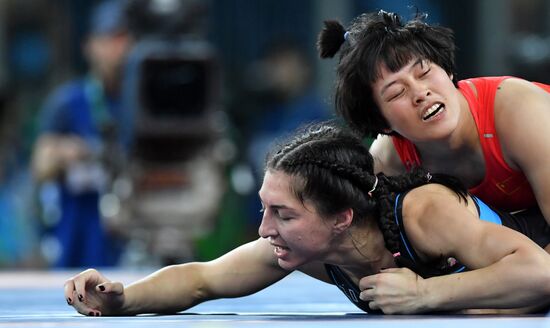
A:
(373, 39)
(334, 170)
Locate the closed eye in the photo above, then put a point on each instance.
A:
(425, 72)
(397, 95)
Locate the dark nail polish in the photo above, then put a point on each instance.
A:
(91, 314)
(80, 297)
(102, 288)
(69, 300)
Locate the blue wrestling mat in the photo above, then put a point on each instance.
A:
(35, 299)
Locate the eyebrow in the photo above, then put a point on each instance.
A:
(279, 207)
(276, 207)
(385, 87)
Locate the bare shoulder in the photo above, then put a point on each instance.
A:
(433, 214)
(429, 206)
(422, 202)
(385, 156)
(522, 115)
(517, 95)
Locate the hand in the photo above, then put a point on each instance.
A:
(72, 149)
(90, 293)
(395, 290)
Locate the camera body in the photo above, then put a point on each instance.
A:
(173, 88)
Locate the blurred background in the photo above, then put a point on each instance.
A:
(133, 133)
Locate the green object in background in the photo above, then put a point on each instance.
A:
(229, 232)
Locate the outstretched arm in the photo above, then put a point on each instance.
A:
(507, 269)
(241, 272)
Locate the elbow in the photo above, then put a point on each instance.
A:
(539, 274)
(545, 281)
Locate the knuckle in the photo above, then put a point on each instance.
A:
(90, 271)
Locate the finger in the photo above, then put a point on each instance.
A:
(367, 295)
(79, 288)
(368, 282)
(84, 309)
(373, 305)
(84, 279)
(110, 287)
(68, 291)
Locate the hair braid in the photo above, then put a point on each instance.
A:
(350, 172)
(385, 200)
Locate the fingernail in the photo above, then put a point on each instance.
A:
(80, 297)
(91, 314)
(102, 288)
(69, 300)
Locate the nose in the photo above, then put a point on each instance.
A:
(420, 95)
(267, 229)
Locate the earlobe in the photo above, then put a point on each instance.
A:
(343, 220)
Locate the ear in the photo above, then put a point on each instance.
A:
(343, 221)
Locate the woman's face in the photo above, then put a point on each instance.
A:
(297, 232)
(420, 101)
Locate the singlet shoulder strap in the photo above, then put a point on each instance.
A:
(486, 213)
(405, 248)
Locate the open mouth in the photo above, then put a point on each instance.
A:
(280, 251)
(433, 111)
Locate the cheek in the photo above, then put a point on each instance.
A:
(314, 239)
(395, 112)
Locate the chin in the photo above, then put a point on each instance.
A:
(289, 266)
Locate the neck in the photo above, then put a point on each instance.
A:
(364, 251)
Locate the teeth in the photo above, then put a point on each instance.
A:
(432, 110)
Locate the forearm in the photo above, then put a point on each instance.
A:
(169, 290)
(517, 280)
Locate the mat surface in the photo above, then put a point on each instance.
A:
(35, 299)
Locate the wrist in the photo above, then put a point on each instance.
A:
(428, 299)
(129, 305)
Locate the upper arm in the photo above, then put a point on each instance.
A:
(243, 271)
(439, 226)
(386, 159)
(522, 119)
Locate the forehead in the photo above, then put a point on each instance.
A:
(276, 191)
(276, 186)
(384, 70)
